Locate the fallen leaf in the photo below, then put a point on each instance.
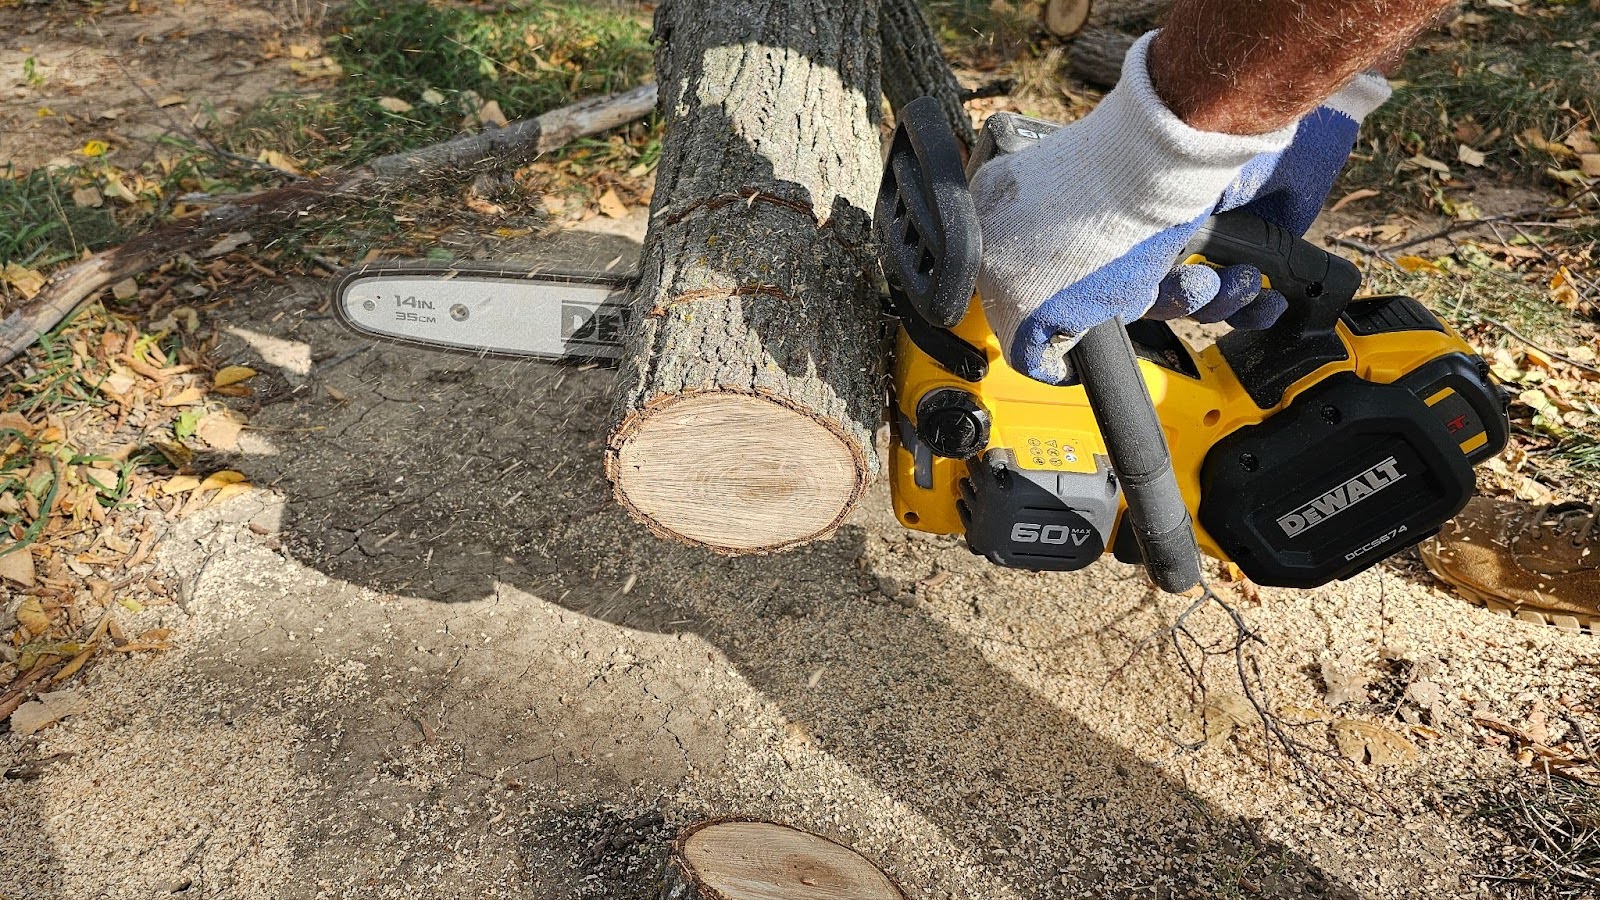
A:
(184, 397)
(1418, 264)
(1225, 712)
(1581, 142)
(1534, 137)
(1343, 681)
(126, 289)
(31, 613)
(553, 204)
(24, 279)
(233, 375)
(171, 100)
(1471, 157)
(432, 97)
(1366, 742)
(1589, 164)
(1353, 196)
(89, 196)
(95, 148)
(612, 205)
(490, 114)
(222, 479)
(1428, 162)
(395, 105)
(177, 484)
(220, 430)
(280, 161)
(50, 708)
(229, 491)
(227, 244)
(1568, 177)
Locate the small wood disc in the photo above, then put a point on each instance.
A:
(736, 472)
(768, 861)
(1065, 18)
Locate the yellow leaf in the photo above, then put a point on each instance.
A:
(1353, 196)
(131, 605)
(95, 148)
(180, 483)
(1563, 291)
(31, 613)
(24, 279)
(280, 161)
(222, 479)
(1534, 137)
(230, 491)
(1417, 264)
(233, 375)
(394, 104)
(184, 397)
(612, 205)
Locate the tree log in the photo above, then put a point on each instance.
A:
(269, 211)
(1096, 55)
(1128, 15)
(731, 860)
(914, 65)
(752, 383)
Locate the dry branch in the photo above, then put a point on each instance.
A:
(279, 208)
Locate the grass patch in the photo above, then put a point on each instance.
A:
(1548, 831)
(1500, 73)
(41, 225)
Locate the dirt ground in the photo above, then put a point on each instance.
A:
(429, 656)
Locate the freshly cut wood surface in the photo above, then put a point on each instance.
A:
(757, 279)
(768, 861)
(736, 472)
(1065, 18)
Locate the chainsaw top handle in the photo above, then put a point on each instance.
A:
(930, 245)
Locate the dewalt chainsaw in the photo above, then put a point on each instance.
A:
(1303, 453)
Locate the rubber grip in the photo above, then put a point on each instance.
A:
(1105, 362)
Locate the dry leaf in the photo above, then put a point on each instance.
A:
(24, 279)
(1366, 742)
(50, 708)
(1353, 196)
(1534, 137)
(1343, 680)
(432, 97)
(1581, 142)
(281, 161)
(88, 196)
(1428, 162)
(221, 479)
(1417, 264)
(395, 105)
(233, 375)
(226, 244)
(185, 397)
(17, 566)
(1589, 164)
(179, 484)
(230, 491)
(126, 289)
(220, 430)
(1471, 157)
(31, 613)
(1223, 713)
(612, 205)
(489, 114)
(172, 100)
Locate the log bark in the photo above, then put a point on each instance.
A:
(267, 212)
(736, 860)
(752, 383)
(1128, 15)
(1096, 55)
(914, 65)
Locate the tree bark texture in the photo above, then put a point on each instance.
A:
(1096, 55)
(914, 65)
(752, 384)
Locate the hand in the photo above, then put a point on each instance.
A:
(1287, 188)
(1084, 226)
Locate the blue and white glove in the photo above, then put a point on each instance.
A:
(1287, 189)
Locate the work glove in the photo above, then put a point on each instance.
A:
(1286, 188)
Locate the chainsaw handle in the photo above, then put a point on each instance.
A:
(1104, 361)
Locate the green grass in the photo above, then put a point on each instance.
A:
(1497, 79)
(41, 225)
(528, 57)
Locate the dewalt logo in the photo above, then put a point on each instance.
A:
(1341, 498)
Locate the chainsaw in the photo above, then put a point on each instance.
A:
(1303, 453)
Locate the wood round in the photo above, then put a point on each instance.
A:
(737, 472)
(767, 861)
(1065, 18)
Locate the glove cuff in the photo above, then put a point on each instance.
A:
(1360, 96)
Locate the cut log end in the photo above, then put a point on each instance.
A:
(766, 861)
(734, 472)
(1065, 18)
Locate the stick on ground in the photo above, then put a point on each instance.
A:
(268, 211)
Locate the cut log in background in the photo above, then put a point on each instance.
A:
(268, 212)
(914, 65)
(732, 860)
(752, 384)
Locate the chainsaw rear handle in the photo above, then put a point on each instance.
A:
(1104, 361)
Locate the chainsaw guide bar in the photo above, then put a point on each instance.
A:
(489, 309)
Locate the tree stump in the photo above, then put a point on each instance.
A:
(729, 860)
(752, 383)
